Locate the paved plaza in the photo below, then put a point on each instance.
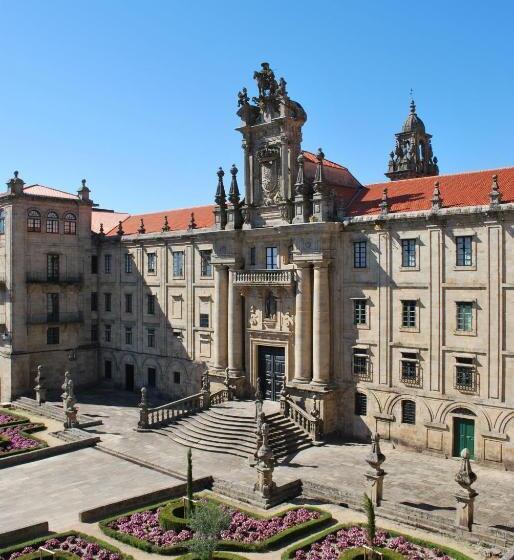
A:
(56, 489)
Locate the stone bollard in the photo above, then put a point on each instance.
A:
(143, 410)
(375, 479)
(265, 466)
(40, 388)
(466, 497)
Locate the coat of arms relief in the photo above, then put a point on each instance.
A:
(269, 159)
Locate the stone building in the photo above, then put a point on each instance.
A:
(389, 302)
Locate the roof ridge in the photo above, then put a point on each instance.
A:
(171, 210)
(51, 188)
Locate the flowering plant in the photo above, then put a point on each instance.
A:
(16, 440)
(332, 545)
(79, 545)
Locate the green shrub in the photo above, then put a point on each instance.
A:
(358, 554)
(216, 556)
(207, 522)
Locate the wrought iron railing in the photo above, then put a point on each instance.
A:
(311, 424)
(264, 277)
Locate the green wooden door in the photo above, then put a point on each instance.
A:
(464, 436)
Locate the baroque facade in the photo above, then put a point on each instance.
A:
(389, 304)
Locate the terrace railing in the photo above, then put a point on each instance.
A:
(310, 423)
(166, 414)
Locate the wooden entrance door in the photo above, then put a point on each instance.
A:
(272, 367)
(463, 436)
(129, 377)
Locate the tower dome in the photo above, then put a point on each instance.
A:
(413, 123)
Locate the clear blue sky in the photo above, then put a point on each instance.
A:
(139, 96)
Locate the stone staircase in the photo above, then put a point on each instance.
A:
(230, 428)
(48, 410)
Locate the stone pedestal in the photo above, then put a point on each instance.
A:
(375, 487)
(264, 485)
(465, 510)
(71, 418)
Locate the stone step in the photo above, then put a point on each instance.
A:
(221, 415)
(189, 430)
(46, 410)
(205, 446)
(200, 423)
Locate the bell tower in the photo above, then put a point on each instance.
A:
(412, 156)
(271, 125)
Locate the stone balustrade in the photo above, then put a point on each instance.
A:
(263, 277)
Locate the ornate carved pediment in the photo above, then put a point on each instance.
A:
(268, 154)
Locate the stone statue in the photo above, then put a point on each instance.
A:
(270, 306)
(282, 87)
(64, 388)
(206, 383)
(243, 98)
(266, 81)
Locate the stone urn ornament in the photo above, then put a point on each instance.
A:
(375, 457)
(465, 478)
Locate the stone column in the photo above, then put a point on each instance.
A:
(235, 328)
(321, 325)
(220, 317)
(303, 327)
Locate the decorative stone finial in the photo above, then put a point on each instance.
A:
(16, 174)
(300, 178)
(192, 223)
(495, 194)
(465, 478)
(120, 231)
(141, 228)
(166, 225)
(412, 106)
(437, 201)
(384, 204)
(318, 177)
(15, 185)
(220, 198)
(101, 231)
(233, 194)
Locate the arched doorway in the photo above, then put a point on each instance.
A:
(463, 432)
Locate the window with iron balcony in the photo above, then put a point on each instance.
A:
(409, 368)
(465, 374)
(361, 364)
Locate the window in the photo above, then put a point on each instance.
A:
(152, 376)
(204, 320)
(94, 264)
(178, 334)
(52, 222)
(128, 263)
(94, 332)
(128, 335)
(409, 313)
(151, 338)
(150, 304)
(409, 367)
(176, 377)
(271, 258)
(33, 221)
(107, 264)
(107, 302)
(360, 249)
(107, 369)
(360, 362)
(359, 312)
(408, 253)
(52, 307)
(465, 376)
(152, 263)
(128, 303)
(70, 224)
(52, 335)
(107, 333)
(464, 316)
(52, 267)
(252, 256)
(178, 264)
(2, 222)
(94, 301)
(464, 250)
(205, 264)
(361, 404)
(408, 412)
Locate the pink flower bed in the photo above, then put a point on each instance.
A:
(72, 544)
(7, 419)
(145, 526)
(16, 441)
(334, 544)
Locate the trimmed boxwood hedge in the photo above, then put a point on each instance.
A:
(216, 556)
(26, 434)
(358, 554)
(276, 541)
(62, 554)
(289, 554)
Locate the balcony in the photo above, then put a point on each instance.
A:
(55, 318)
(264, 277)
(61, 278)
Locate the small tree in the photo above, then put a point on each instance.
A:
(189, 500)
(207, 522)
(371, 528)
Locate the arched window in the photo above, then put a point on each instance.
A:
(2, 222)
(408, 412)
(33, 221)
(52, 222)
(70, 224)
(361, 404)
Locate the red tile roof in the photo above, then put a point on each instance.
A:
(108, 218)
(410, 195)
(178, 220)
(41, 190)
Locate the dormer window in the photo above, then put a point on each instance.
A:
(33, 221)
(70, 224)
(52, 222)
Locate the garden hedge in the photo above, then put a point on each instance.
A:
(289, 554)
(358, 554)
(41, 540)
(33, 428)
(216, 556)
(276, 541)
